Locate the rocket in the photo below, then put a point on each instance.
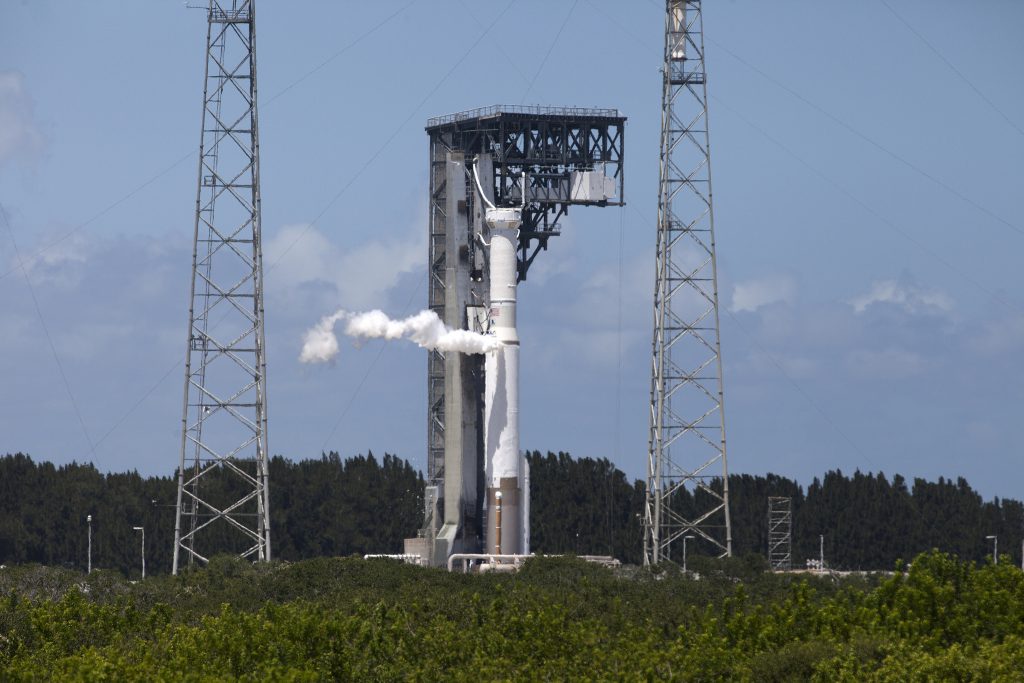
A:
(506, 471)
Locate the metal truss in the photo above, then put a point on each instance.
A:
(437, 260)
(687, 476)
(222, 504)
(780, 533)
(549, 144)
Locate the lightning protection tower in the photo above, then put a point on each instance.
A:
(687, 476)
(222, 472)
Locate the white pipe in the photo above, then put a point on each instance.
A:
(497, 522)
(492, 558)
(524, 468)
(481, 189)
(517, 559)
(404, 557)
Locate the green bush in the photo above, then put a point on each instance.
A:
(557, 619)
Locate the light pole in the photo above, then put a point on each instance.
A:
(995, 548)
(88, 519)
(143, 530)
(821, 552)
(685, 539)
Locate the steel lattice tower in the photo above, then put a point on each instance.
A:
(223, 501)
(687, 476)
(780, 533)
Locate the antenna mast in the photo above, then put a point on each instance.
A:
(223, 503)
(687, 477)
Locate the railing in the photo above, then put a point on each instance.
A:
(530, 110)
(218, 15)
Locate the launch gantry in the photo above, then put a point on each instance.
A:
(564, 157)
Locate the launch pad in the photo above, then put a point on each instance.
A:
(558, 157)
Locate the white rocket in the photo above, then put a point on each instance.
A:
(506, 471)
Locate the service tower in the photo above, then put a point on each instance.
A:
(537, 161)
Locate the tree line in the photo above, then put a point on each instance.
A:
(334, 507)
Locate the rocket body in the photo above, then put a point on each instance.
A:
(504, 467)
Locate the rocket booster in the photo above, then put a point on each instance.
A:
(504, 469)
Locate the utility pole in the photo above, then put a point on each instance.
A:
(88, 570)
(687, 475)
(224, 413)
(995, 548)
(685, 539)
(143, 530)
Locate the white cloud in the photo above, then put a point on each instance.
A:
(907, 295)
(360, 277)
(20, 138)
(753, 294)
(59, 264)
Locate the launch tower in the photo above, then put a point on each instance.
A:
(687, 476)
(222, 504)
(568, 157)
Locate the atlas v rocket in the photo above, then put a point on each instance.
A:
(507, 505)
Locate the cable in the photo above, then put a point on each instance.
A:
(994, 295)
(74, 230)
(807, 397)
(380, 352)
(337, 196)
(138, 403)
(618, 345)
(46, 331)
(955, 70)
(499, 45)
(548, 53)
(821, 110)
(877, 145)
(376, 27)
(42, 250)
(333, 200)
(393, 135)
(778, 365)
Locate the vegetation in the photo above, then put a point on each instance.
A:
(336, 507)
(559, 618)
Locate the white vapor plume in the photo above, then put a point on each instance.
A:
(425, 329)
(319, 344)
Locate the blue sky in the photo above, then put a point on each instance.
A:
(868, 213)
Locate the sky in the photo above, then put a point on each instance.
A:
(867, 170)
